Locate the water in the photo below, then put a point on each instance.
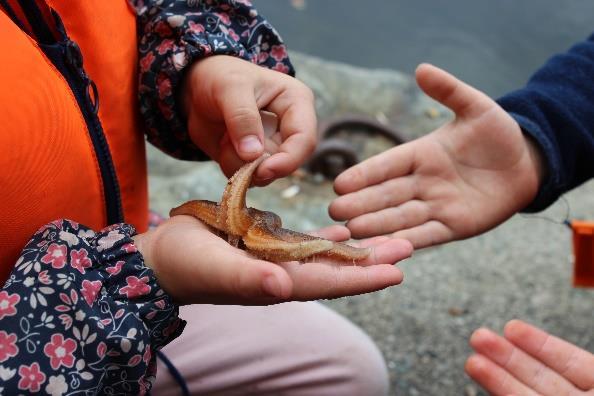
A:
(494, 45)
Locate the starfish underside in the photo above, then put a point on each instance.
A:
(260, 232)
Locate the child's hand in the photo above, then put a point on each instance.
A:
(222, 96)
(463, 179)
(529, 361)
(195, 266)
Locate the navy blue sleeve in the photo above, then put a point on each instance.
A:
(556, 108)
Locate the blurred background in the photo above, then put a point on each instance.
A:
(493, 45)
(359, 57)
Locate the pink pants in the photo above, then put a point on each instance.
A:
(287, 349)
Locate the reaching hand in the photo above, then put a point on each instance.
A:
(527, 361)
(195, 266)
(462, 179)
(222, 97)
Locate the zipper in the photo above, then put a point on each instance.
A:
(67, 58)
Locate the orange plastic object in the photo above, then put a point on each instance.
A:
(583, 252)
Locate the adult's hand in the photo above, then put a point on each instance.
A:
(195, 266)
(463, 179)
(528, 361)
(222, 97)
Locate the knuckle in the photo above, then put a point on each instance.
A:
(242, 286)
(359, 176)
(309, 144)
(307, 92)
(244, 116)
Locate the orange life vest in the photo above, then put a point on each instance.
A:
(57, 158)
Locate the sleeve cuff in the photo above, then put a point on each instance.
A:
(85, 313)
(548, 190)
(175, 34)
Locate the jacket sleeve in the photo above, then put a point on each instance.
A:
(172, 35)
(81, 313)
(556, 108)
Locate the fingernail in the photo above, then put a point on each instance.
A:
(272, 286)
(250, 144)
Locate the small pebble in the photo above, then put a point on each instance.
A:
(432, 113)
(291, 191)
(470, 390)
(455, 311)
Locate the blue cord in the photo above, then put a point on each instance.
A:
(175, 373)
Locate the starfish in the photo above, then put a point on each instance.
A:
(260, 232)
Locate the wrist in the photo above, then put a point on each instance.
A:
(142, 245)
(537, 162)
(184, 94)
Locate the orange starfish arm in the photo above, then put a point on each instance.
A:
(283, 245)
(233, 208)
(261, 231)
(206, 211)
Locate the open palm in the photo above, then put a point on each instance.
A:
(196, 266)
(460, 180)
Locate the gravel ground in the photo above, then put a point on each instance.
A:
(521, 269)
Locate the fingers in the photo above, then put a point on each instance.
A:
(428, 234)
(228, 159)
(242, 118)
(323, 280)
(373, 198)
(411, 220)
(295, 109)
(409, 214)
(461, 98)
(571, 362)
(246, 278)
(523, 367)
(196, 266)
(390, 164)
(318, 280)
(494, 379)
(210, 146)
(386, 251)
(336, 233)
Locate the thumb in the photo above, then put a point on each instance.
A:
(243, 122)
(246, 279)
(461, 98)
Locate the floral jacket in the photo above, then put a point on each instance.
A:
(80, 312)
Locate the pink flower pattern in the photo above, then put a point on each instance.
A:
(60, 350)
(56, 255)
(31, 377)
(79, 260)
(8, 346)
(278, 52)
(76, 333)
(136, 287)
(115, 269)
(90, 290)
(8, 303)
